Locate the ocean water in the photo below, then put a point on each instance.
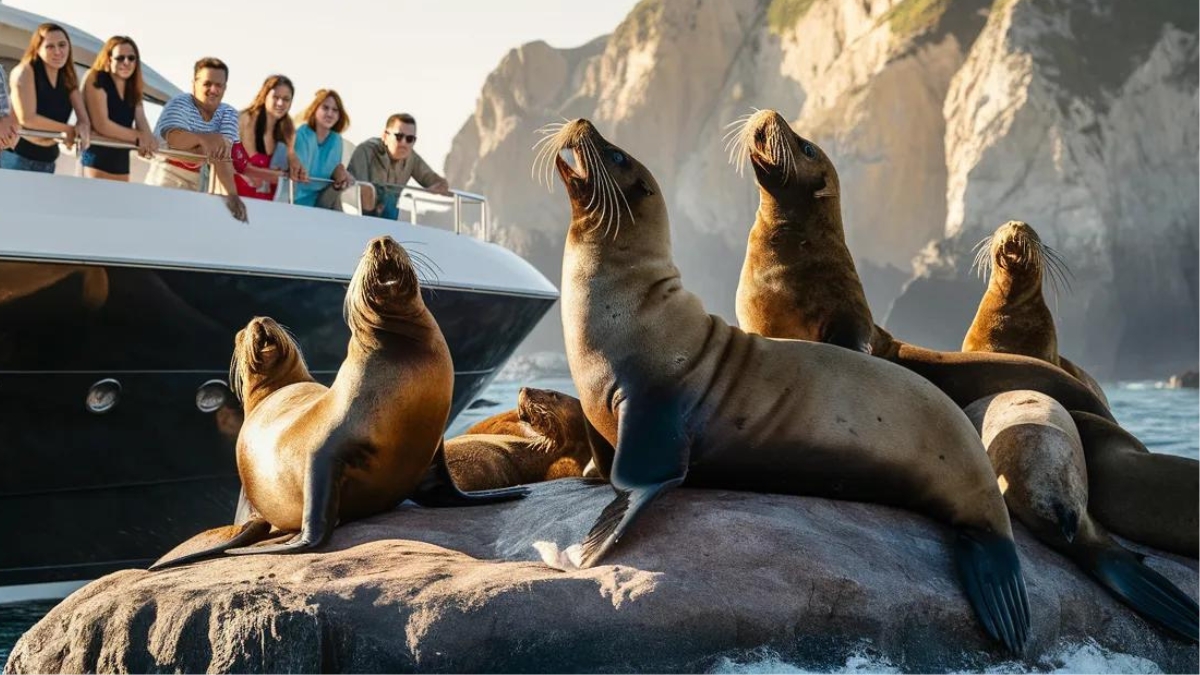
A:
(1166, 420)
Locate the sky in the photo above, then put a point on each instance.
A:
(429, 58)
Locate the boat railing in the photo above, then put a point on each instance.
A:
(455, 201)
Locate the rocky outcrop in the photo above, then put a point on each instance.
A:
(945, 118)
(704, 574)
(1082, 119)
(1189, 379)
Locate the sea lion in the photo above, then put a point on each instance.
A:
(797, 255)
(1038, 456)
(310, 455)
(685, 397)
(490, 461)
(552, 419)
(1013, 317)
(1149, 497)
(786, 296)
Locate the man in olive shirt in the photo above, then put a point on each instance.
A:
(388, 162)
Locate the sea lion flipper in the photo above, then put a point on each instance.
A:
(651, 457)
(209, 543)
(1146, 591)
(438, 489)
(322, 491)
(991, 575)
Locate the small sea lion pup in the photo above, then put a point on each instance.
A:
(797, 255)
(545, 437)
(684, 397)
(309, 455)
(1013, 317)
(1038, 456)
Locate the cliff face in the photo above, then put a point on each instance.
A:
(944, 117)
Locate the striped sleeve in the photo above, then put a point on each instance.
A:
(174, 116)
(5, 103)
(229, 123)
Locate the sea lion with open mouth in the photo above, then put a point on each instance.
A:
(1013, 317)
(684, 397)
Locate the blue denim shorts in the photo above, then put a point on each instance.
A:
(13, 161)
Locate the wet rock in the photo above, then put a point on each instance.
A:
(1188, 379)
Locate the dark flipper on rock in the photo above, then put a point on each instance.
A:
(651, 457)
(991, 576)
(437, 489)
(322, 495)
(211, 543)
(1149, 593)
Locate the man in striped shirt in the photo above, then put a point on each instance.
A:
(8, 121)
(199, 122)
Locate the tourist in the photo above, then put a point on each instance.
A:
(8, 121)
(389, 162)
(268, 135)
(112, 91)
(319, 148)
(43, 96)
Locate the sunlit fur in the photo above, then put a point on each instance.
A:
(381, 292)
(762, 136)
(607, 198)
(538, 409)
(1016, 248)
(264, 354)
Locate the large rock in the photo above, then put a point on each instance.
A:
(704, 574)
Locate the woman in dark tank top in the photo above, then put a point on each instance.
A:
(44, 95)
(112, 90)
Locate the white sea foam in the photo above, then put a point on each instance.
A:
(1087, 657)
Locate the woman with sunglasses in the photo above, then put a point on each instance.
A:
(270, 135)
(112, 90)
(43, 96)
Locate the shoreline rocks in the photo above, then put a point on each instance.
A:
(705, 574)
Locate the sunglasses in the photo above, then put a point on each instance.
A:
(404, 137)
(130, 58)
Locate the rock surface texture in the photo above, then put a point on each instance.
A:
(705, 574)
(945, 118)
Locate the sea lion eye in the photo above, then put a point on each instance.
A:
(619, 157)
(809, 150)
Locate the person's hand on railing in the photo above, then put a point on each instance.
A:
(146, 143)
(83, 136)
(216, 147)
(440, 188)
(296, 170)
(8, 132)
(342, 179)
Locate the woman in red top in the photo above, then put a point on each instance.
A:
(268, 136)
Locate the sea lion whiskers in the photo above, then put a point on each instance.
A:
(982, 264)
(545, 149)
(737, 141)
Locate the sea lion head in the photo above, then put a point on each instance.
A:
(1015, 255)
(384, 291)
(609, 189)
(264, 355)
(552, 414)
(790, 168)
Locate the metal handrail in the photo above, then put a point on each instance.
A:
(456, 197)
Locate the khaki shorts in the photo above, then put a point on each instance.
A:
(171, 176)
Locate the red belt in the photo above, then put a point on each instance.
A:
(186, 166)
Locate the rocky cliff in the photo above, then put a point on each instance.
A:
(945, 119)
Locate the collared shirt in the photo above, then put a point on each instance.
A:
(371, 162)
(181, 113)
(5, 101)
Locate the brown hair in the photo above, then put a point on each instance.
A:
(67, 75)
(310, 113)
(403, 118)
(284, 129)
(135, 87)
(209, 62)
